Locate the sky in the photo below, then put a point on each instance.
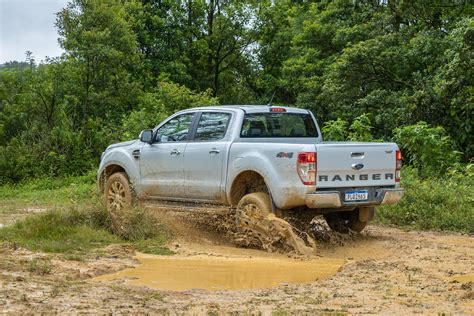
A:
(29, 25)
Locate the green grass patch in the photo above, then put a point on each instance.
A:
(76, 222)
(433, 203)
(50, 191)
(61, 231)
(153, 246)
(80, 231)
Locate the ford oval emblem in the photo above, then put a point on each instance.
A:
(358, 166)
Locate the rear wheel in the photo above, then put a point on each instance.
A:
(346, 221)
(251, 213)
(255, 220)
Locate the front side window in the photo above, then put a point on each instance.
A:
(176, 129)
(212, 126)
(278, 125)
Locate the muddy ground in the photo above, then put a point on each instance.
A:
(381, 271)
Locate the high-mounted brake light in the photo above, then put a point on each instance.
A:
(306, 167)
(277, 110)
(398, 165)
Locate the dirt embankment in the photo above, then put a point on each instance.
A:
(383, 270)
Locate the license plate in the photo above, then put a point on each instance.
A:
(361, 195)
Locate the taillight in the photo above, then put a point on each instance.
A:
(306, 167)
(277, 110)
(398, 165)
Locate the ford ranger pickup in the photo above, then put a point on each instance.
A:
(260, 159)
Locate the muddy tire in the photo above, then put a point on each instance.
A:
(255, 221)
(119, 198)
(251, 211)
(345, 222)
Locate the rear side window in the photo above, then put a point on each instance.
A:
(212, 126)
(278, 125)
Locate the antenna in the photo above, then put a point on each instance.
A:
(271, 99)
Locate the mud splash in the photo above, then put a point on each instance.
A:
(218, 225)
(274, 233)
(218, 273)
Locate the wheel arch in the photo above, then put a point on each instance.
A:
(108, 170)
(245, 182)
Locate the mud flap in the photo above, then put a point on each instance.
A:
(366, 213)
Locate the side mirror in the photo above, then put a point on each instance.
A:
(146, 136)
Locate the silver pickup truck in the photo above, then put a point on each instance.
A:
(257, 160)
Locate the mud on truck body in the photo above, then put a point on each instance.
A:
(258, 160)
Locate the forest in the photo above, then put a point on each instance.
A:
(369, 70)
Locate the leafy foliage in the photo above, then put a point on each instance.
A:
(433, 203)
(127, 65)
(429, 149)
(339, 130)
(335, 130)
(155, 106)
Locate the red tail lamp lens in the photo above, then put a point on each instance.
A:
(306, 167)
(398, 165)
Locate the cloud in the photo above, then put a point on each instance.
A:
(29, 25)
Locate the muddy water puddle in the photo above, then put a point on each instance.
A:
(463, 278)
(218, 273)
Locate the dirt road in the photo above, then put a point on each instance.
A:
(382, 271)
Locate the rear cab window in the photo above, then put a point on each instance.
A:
(278, 125)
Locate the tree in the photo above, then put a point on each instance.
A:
(104, 64)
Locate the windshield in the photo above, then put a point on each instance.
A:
(278, 125)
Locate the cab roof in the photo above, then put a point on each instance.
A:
(254, 108)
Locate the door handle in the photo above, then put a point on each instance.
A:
(214, 151)
(175, 152)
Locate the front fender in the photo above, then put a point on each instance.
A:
(123, 159)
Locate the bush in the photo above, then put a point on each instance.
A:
(429, 149)
(166, 99)
(335, 130)
(339, 130)
(434, 203)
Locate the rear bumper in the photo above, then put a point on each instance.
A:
(332, 199)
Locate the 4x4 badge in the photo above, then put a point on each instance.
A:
(284, 155)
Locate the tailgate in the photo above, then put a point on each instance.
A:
(355, 164)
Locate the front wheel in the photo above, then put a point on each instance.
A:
(346, 221)
(119, 198)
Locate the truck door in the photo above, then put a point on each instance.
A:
(205, 156)
(161, 163)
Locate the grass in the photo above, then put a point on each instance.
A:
(50, 191)
(40, 266)
(58, 231)
(76, 222)
(445, 204)
(80, 231)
